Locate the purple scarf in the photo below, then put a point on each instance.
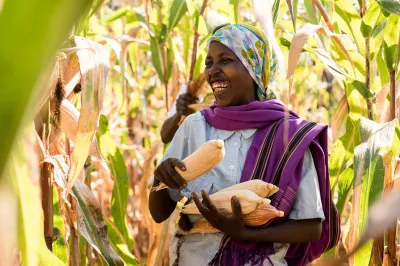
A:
(285, 138)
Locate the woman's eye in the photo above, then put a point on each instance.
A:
(208, 63)
(225, 60)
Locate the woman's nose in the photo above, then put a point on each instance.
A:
(214, 69)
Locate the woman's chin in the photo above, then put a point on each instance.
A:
(223, 102)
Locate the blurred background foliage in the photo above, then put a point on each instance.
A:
(86, 86)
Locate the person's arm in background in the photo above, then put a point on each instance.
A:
(171, 125)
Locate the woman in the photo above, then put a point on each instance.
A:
(262, 140)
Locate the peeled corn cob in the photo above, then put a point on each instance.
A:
(205, 158)
(222, 200)
(261, 215)
(258, 186)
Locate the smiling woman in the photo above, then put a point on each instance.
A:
(263, 140)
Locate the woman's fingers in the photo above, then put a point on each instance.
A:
(188, 97)
(168, 179)
(174, 175)
(203, 209)
(236, 208)
(178, 163)
(208, 203)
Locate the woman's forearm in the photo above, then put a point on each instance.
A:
(290, 231)
(160, 204)
(169, 128)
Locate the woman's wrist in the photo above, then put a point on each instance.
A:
(156, 182)
(177, 119)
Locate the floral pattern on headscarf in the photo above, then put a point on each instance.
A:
(252, 47)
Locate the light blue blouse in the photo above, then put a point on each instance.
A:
(199, 249)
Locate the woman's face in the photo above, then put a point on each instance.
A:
(229, 79)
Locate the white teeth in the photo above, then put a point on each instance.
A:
(219, 86)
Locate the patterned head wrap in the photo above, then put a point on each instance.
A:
(252, 47)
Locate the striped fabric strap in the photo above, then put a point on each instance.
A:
(290, 149)
(265, 151)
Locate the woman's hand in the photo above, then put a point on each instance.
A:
(166, 173)
(232, 225)
(182, 104)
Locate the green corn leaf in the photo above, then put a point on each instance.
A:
(120, 246)
(170, 58)
(117, 14)
(382, 68)
(390, 41)
(156, 57)
(91, 224)
(45, 24)
(116, 163)
(311, 12)
(199, 22)
(377, 139)
(376, 39)
(339, 117)
(96, 5)
(362, 89)
(343, 150)
(357, 102)
(392, 6)
(345, 184)
(350, 22)
(370, 19)
(333, 67)
(295, 6)
(275, 10)
(234, 8)
(83, 23)
(177, 10)
(20, 178)
(46, 257)
(59, 246)
(292, 13)
(135, 15)
(202, 53)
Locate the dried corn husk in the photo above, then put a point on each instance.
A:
(258, 186)
(222, 200)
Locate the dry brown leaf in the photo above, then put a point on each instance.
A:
(337, 119)
(69, 125)
(94, 66)
(299, 40)
(383, 106)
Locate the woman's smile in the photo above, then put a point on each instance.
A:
(219, 87)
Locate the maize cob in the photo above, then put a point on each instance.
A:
(222, 200)
(261, 188)
(261, 215)
(205, 158)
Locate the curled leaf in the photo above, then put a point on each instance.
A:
(93, 63)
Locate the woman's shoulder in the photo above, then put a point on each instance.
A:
(194, 119)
